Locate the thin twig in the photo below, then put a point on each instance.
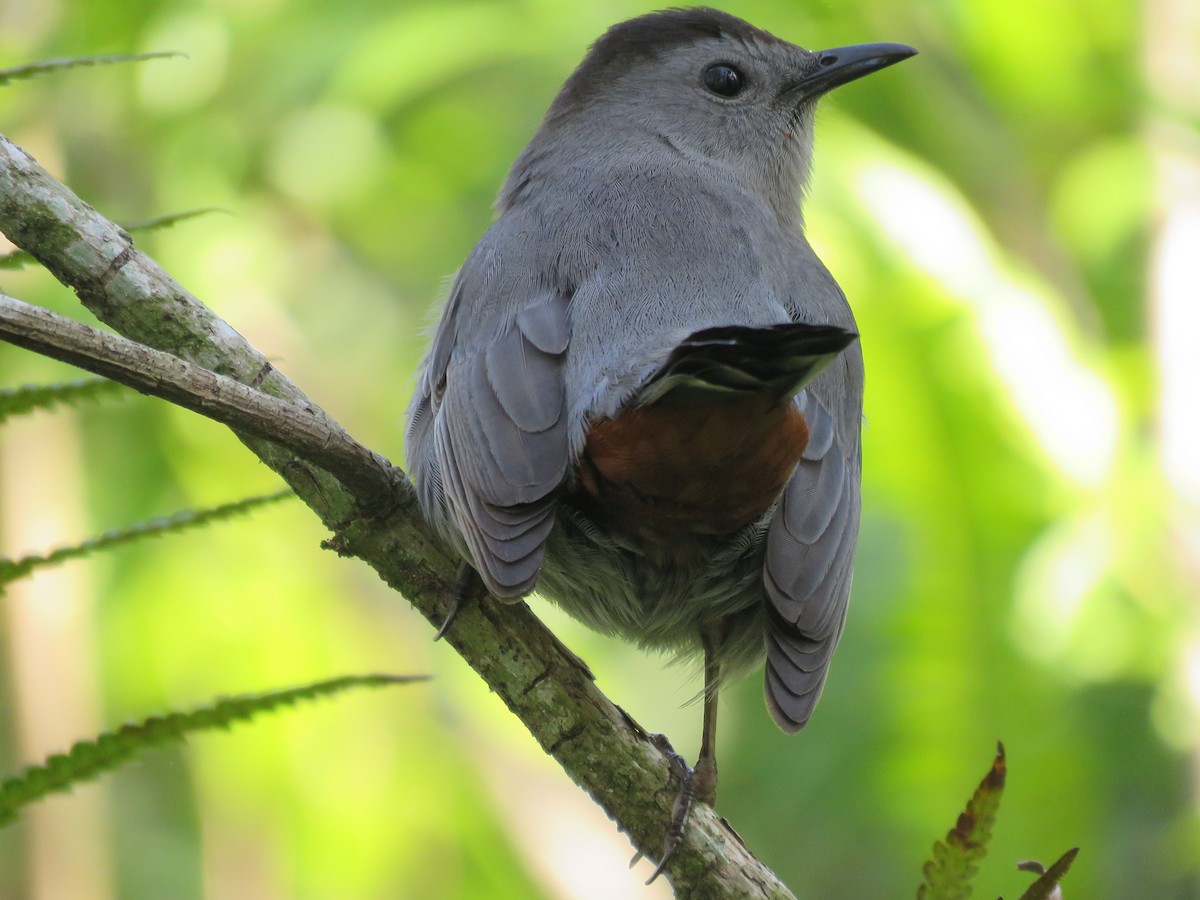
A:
(315, 438)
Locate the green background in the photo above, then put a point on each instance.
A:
(1013, 215)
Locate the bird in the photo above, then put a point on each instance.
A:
(643, 397)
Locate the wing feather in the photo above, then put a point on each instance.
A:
(807, 573)
(500, 447)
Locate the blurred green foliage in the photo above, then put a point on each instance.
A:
(989, 208)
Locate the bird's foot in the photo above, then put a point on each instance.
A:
(699, 784)
(466, 588)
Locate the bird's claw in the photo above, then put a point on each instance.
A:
(466, 587)
(682, 809)
(453, 605)
(679, 818)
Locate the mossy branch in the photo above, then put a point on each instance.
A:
(542, 682)
(18, 259)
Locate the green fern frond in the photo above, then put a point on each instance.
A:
(956, 860)
(29, 70)
(31, 397)
(88, 759)
(11, 570)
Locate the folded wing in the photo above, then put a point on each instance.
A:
(807, 572)
(499, 438)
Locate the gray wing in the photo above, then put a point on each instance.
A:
(489, 437)
(810, 553)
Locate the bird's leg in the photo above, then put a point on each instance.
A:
(704, 775)
(466, 588)
(700, 781)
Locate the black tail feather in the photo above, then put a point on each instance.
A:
(777, 360)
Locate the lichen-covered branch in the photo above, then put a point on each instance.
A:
(542, 682)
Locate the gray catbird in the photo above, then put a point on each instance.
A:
(644, 394)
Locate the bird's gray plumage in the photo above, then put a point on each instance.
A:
(643, 212)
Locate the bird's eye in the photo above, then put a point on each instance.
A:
(724, 79)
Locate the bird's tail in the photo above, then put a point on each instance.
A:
(776, 360)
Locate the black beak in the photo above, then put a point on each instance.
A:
(844, 64)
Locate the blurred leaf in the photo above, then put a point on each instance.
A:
(88, 759)
(160, 222)
(33, 397)
(956, 860)
(11, 570)
(15, 260)
(29, 70)
(1047, 886)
